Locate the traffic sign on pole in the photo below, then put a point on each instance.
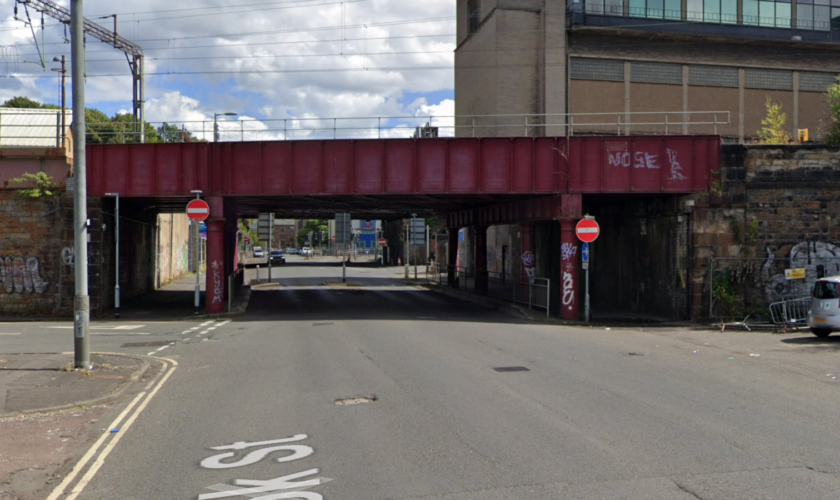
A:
(383, 242)
(584, 255)
(587, 230)
(198, 210)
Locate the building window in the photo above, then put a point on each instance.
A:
(816, 82)
(610, 70)
(770, 14)
(656, 9)
(609, 7)
(770, 79)
(646, 72)
(713, 76)
(473, 15)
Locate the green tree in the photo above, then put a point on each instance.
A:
(773, 129)
(833, 136)
(123, 130)
(314, 226)
(171, 133)
(42, 185)
(23, 102)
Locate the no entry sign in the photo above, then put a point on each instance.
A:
(198, 210)
(383, 242)
(587, 230)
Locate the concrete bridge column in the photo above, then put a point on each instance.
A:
(215, 285)
(452, 256)
(568, 270)
(481, 259)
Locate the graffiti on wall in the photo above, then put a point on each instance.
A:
(818, 258)
(568, 251)
(68, 256)
(217, 281)
(22, 274)
(529, 261)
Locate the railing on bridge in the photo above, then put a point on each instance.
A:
(503, 286)
(383, 127)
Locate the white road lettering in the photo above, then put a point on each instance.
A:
(241, 445)
(298, 452)
(269, 486)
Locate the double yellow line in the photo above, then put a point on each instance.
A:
(134, 410)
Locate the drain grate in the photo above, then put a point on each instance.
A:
(147, 344)
(360, 400)
(511, 369)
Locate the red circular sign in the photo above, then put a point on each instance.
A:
(587, 230)
(383, 242)
(198, 210)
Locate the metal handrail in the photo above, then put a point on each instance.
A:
(397, 126)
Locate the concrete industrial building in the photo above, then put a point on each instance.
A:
(628, 57)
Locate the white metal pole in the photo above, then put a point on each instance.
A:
(196, 259)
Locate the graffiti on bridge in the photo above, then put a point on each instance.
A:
(529, 261)
(568, 289)
(642, 159)
(217, 281)
(568, 251)
(19, 274)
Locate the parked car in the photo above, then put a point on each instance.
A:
(306, 251)
(823, 318)
(259, 252)
(277, 257)
(292, 251)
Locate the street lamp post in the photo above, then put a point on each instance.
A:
(195, 252)
(63, 72)
(216, 124)
(117, 252)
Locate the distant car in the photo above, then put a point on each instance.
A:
(823, 317)
(306, 251)
(259, 252)
(292, 251)
(277, 257)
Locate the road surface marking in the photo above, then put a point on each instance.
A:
(60, 488)
(120, 327)
(277, 488)
(97, 464)
(161, 348)
(9, 333)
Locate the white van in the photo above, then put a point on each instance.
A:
(258, 252)
(823, 318)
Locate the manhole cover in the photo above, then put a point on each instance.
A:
(635, 354)
(321, 324)
(147, 344)
(511, 369)
(360, 400)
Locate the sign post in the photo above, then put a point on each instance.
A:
(198, 211)
(587, 231)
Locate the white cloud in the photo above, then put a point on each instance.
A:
(315, 58)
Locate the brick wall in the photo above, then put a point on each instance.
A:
(776, 208)
(37, 257)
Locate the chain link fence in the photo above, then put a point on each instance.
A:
(746, 288)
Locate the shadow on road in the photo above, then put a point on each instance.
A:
(831, 343)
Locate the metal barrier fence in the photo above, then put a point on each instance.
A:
(739, 287)
(502, 286)
(790, 313)
(16, 129)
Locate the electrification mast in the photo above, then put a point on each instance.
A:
(133, 52)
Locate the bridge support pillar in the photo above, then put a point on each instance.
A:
(568, 270)
(528, 259)
(452, 258)
(215, 285)
(571, 208)
(481, 259)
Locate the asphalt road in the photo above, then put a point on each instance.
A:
(600, 414)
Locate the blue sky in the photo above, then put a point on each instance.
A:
(261, 59)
